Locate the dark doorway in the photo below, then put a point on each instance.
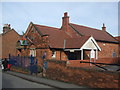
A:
(72, 56)
(86, 54)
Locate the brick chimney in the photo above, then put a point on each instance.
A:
(65, 21)
(103, 28)
(6, 28)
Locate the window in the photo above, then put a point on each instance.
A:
(44, 55)
(53, 54)
(114, 54)
(33, 52)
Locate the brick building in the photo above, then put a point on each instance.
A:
(118, 38)
(70, 42)
(8, 40)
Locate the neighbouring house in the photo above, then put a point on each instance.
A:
(117, 38)
(70, 42)
(8, 40)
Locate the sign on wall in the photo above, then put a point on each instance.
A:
(92, 54)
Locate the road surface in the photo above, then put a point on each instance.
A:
(10, 81)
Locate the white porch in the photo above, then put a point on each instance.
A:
(91, 46)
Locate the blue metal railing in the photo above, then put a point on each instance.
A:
(25, 62)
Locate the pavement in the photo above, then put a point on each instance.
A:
(109, 68)
(45, 81)
(11, 81)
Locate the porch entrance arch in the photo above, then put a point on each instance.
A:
(87, 51)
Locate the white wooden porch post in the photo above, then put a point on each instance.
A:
(82, 54)
(96, 54)
(90, 58)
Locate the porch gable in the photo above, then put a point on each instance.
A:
(90, 44)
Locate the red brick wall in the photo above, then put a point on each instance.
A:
(109, 60)
(81, 76)
(63, 56)
(49, 55)
(58, 56)
(40, 53)
(76, 63)
(107, 50)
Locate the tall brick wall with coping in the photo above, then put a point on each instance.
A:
(76, 63)
(57, 70)
(109, 60)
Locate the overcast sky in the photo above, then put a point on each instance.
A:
(91, 14)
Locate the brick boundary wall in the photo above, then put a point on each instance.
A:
(57, 70)
(19, 70)
(109, 60)
(76, 63)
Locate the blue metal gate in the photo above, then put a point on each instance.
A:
(25, 62)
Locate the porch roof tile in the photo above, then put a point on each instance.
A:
(76, 42)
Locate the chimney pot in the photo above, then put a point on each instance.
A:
(103, 25)
(6, 28)
(8, 25)
(65, 14)
(104, 28)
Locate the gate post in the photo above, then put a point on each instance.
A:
(18, 60)
(31, 64)
(9, 56)
(36, 66)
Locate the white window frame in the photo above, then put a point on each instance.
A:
(54, 55)
(33, 52)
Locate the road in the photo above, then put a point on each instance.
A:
(10, 81)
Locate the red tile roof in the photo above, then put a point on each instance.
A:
(56, 36)
(117, 38)
(76, 42)
(96, 33)
(46, 29)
